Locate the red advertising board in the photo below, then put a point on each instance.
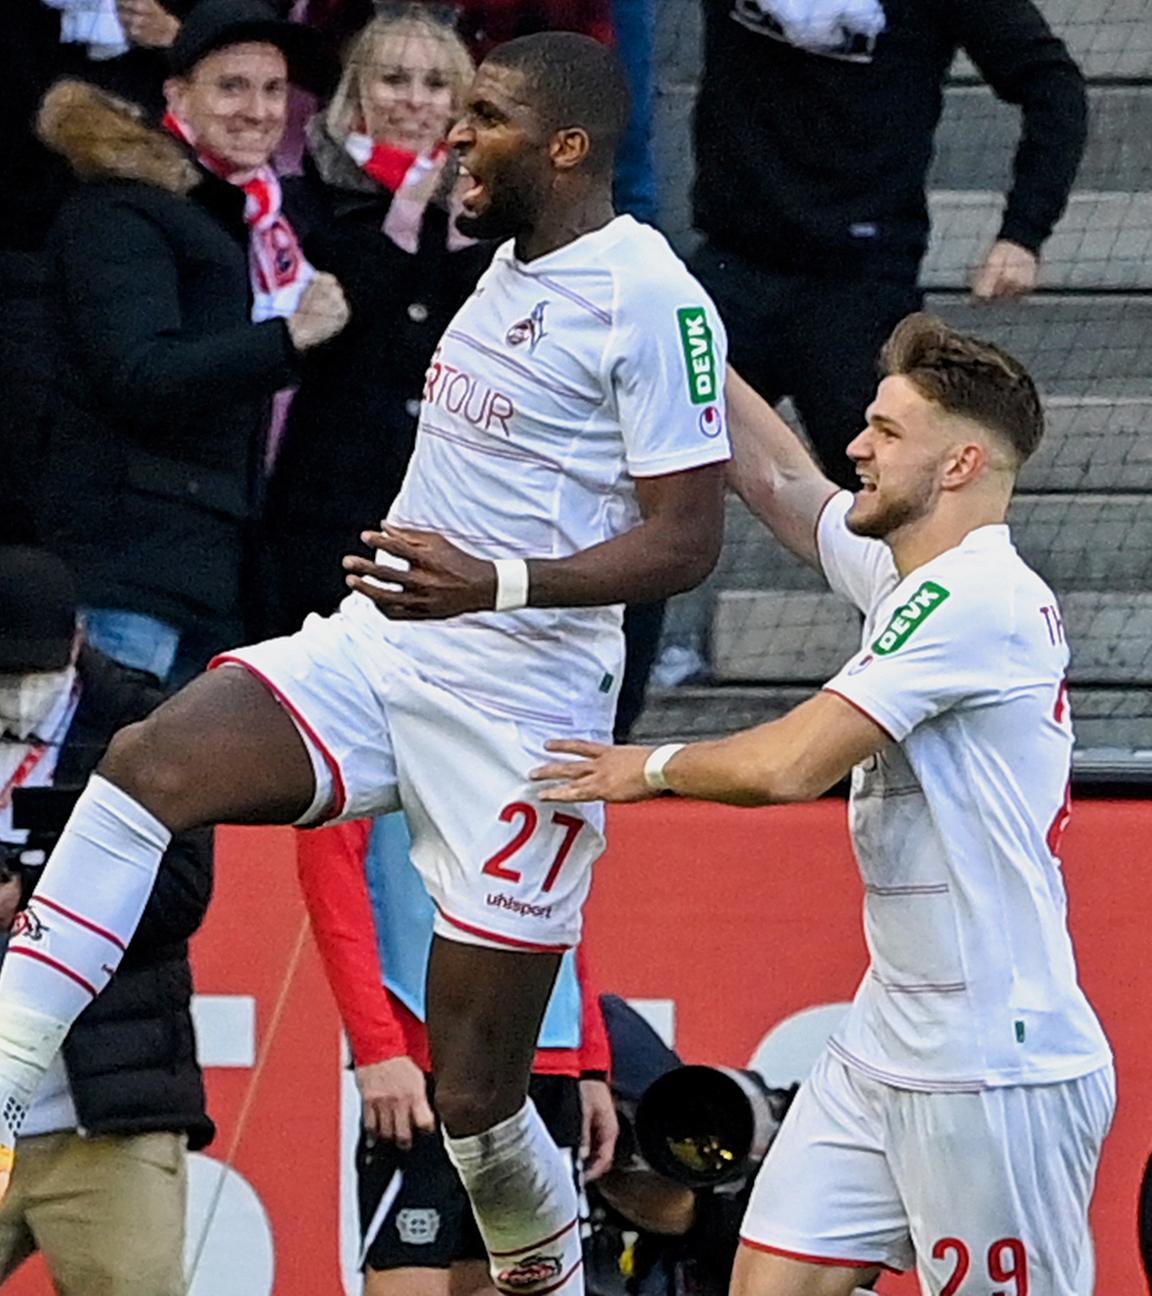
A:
(731, 921)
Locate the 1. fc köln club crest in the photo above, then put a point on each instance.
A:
(529, 330)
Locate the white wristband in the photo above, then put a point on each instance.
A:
(511, 584)
(654, 765)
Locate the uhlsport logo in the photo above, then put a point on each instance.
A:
(699, 354)
(711, 424)
(529, 330)
(907, 618)
(530, 1273)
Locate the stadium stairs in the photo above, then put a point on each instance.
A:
(1083, 515)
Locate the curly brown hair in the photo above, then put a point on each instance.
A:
(967, 376)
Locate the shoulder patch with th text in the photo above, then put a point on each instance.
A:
(699, 354)
(908, 617)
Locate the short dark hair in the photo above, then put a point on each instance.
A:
(968, 376)
(574, 81)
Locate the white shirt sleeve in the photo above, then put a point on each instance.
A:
(939, 650)
(666, 367)
(853, 565)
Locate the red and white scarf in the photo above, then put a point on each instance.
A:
(277, 266)
(414, 180)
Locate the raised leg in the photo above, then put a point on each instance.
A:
(222, 750)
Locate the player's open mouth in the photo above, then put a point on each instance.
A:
(474, 193)
(867, 485)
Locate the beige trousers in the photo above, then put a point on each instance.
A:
(106, 1213)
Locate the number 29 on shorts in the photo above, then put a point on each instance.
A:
(1007, 1267)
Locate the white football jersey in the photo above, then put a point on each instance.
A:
(557, 383)
(956, 825)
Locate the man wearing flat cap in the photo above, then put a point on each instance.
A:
(184, 305)
(101, 1186)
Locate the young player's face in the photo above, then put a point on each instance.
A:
(235, 102)
(899, 458)
(505, 154)
(406, 95)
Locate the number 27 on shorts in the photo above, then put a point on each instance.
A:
(566, 827)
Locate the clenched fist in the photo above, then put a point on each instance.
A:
(321, 314)
(147, 23)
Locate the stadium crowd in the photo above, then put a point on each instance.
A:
(227, 256)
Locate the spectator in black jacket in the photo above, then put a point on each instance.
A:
(33, 54)
(811, 173)
(102, 1179)
(185, 304)
(379, 197)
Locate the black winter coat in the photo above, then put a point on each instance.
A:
(151, 485)
(131, 1054)
(352, 425)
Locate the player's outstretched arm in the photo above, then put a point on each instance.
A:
(796, 758)
(674, 547)
(772, 471)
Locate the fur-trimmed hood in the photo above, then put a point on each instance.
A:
(333, 165)
(103, 137)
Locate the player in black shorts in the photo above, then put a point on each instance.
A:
(414, 1213)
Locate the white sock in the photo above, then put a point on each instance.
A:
(525, 1204)
(70, 939)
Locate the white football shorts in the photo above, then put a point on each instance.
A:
(502, 867)
(985, 1191)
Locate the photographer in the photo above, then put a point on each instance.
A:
(101, 1184)
(666, 1216)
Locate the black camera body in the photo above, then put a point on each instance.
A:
(41, 812)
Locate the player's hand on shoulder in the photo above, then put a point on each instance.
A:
(439, 581)
(395, 1098)
(602, 774)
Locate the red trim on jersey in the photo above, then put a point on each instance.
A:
(816, 530)
(531, 1246)
(817, 1260)
(857, 707)
(52, 963)
(500, 938)
(341, 795)
(81, 921)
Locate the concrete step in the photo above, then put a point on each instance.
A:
(1091, 542)
(1086, 542)
(1103, 240)
(1104, 718)
(674, 155)
(1093, 444)
(796, 638)
(1074, 344)
(978, 135)
(677, 37)
(703, 711)
(1098, 444)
